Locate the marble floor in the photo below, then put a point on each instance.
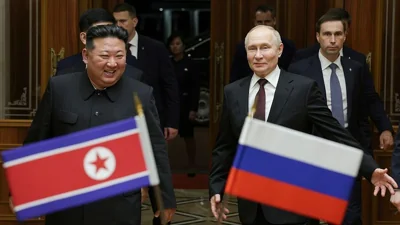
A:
(193, 208)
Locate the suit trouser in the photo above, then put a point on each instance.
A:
(260, 219)
(353, 212)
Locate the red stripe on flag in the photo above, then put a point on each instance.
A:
(65, 172)
(285, 196)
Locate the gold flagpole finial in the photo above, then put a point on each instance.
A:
(253, 108)
(138, 104)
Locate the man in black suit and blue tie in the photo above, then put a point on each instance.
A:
(345, 86)
(375, 106)
(288, 100)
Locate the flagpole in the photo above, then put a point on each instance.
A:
(156, 188)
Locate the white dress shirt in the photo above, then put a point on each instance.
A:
(134, 45)
(326, 71)
(269, 88)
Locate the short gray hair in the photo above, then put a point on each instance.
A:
(276, 34)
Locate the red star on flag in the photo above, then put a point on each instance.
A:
(99, 163)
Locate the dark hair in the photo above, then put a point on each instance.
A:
(342, 13)
(92, 16)
(175, 35)
(125, 7)
(327, 18)
(266, 8)
(104, 31)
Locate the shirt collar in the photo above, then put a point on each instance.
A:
(325, 62)
(135, 39)
(272, 78)
(87, 89)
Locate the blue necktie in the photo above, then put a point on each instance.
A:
(336, 96)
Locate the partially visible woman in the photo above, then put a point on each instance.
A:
(189, 89)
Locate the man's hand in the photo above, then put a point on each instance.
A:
(395, 200)
(170, 133)
(216, 207)
(386, 140)
(168, 214)
(382, 181)
(145, 193)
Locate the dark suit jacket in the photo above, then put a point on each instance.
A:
(356, 93)
(153, 59)
(71, 104)
(298, 104)
(240, 67)
(396, 158)
(375, 107)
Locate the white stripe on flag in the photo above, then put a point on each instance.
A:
(70, 148)
(300, 146)
(80, 191)
(147, 150)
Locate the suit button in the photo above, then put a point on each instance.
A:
(96, 113)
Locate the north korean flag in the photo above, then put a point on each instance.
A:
(80, 168)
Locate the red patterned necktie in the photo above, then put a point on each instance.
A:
(260, 98)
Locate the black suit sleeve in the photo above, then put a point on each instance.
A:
(223, 153)
(329, 127)
(40, 128)
(160, 153)
(169, 85)
(396, 158)
(375, 106)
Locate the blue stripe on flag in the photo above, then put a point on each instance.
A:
(81, 199)
(70, 139)
(293, 172)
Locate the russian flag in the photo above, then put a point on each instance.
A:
(293, 171)
(80, 168)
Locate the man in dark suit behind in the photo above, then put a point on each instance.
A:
(375, 107)
(285, 99)
(98, 96)
(74, 63)
(264, 15)
(153, 59)
(355, 89)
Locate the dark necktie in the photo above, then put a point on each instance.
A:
(260, 98)
(336, 96)
(128, 51)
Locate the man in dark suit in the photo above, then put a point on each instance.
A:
(395, 199)
(348, 92)
(98, 96)
(375, 107)
(93, 17)
(153, 59)
(264, 15)
(285, 99)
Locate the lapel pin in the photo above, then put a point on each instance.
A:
(350, 69)
(143, 48)
(186, 69)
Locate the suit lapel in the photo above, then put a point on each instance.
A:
(141, 52)
(243, 97)
(315, 73)
(282, 94)
(350, 82)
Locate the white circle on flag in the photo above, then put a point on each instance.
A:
(99, 163)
